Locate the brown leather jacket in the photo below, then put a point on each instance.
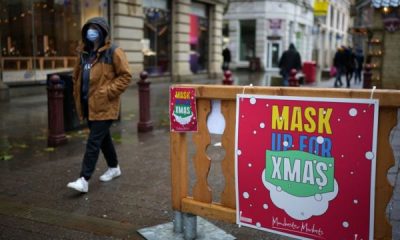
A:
(108, 79)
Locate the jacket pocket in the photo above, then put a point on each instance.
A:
(101, 103)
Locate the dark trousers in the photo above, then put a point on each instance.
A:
(349, 76)
(357, 77)
(99, 138)
(338, 79)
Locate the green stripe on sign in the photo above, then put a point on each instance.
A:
(300, 173)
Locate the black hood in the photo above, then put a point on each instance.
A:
(292, 47)
(101, 23)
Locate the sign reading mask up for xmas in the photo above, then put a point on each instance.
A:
(182, 109)
(305, 167)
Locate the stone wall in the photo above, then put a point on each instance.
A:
(128, 31)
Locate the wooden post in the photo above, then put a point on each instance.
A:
(55, 99)
(145, 124)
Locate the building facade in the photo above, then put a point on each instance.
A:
(178, 39)
(377, 25)
(332, 31)
(264, 29)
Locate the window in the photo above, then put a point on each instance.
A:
(247, 39)
(199, 37)
(38, 37)
(157, 34)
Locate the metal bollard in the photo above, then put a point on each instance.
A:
(178, 222)
(189, 226)
(367, 76)
(293, 81)
(145, 124)
(227, 78)
(55, 105)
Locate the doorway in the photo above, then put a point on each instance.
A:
(273, 54)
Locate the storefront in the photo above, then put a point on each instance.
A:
(170, 40)
(39, 37)
(260, 31)
(377, 33)
(199, 35)
(157, 37)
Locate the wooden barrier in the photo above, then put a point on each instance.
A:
(65, 60)
(201, 202)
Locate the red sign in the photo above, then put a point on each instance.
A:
(305, 167)
(182, 109)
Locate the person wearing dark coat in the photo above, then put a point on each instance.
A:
(289, 60)
(350, 62)
(360, 61)
(339, 62)
(226, 54)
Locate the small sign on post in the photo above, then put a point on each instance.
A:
(305, 167)
(182, 110)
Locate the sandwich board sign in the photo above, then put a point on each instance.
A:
(305, 166)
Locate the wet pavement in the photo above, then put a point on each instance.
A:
(35, 202)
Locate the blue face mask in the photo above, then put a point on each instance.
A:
(92, 35)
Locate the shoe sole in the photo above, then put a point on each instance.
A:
(110, 179)
(79, 190)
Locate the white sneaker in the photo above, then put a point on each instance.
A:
(110, 174)
(80, 185)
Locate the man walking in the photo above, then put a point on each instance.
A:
(290, 59)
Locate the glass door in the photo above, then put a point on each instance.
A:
(273, 54)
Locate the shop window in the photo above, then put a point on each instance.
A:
(156, 44)
(247, 39)
(225, 32)
(199, 37)
(38, 37)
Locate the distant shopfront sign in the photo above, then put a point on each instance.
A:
(275, 27)
(321, 8)
(305, 167)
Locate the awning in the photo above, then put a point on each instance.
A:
(385, 3)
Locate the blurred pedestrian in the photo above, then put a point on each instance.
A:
(339, 64)
(99, 78)
(289, 60)
(359, 65)
(226, 54)
(350, 65)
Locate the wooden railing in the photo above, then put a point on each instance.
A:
(201, 203)
(66, 61)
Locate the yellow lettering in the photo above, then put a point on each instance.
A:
(297, 121)
(280, 121)
(308, 114)
(182, 95)
(323, 120)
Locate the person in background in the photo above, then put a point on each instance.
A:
(226, 54)
(289, 60)
(100, 77)
(350, 65)
(339, 64)
(359, 65)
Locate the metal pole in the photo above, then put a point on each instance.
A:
(4, 90)
(189, 226)
(178, 222)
